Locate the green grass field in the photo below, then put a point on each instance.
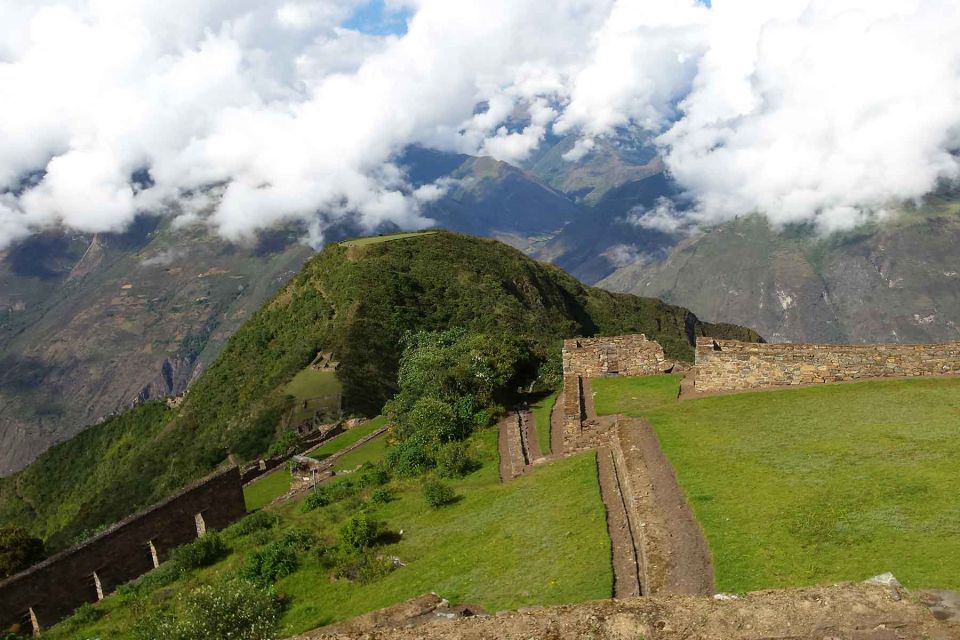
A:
(371, 452)
(359, 242)
(482, 550)
(266, 489)
(820, 484)
(320, 390)
(541, 416)
(634, 396)
(347, 438)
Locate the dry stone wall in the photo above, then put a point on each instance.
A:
(50, 591)
(629, 355)
(729, 365)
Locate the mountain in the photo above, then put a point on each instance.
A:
(895, 281)
(92, 324)
(357, 300)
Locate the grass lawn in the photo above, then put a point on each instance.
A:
(359, 242)
(541, 416)
(634, 396)
(821, 484)
(320, 389)
(538, 540)
(372, 452)
(266, 488)
(347, 438)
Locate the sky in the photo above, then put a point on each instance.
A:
(246, 113)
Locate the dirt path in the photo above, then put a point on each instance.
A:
(531, 443)
(845, 611)
(513, 456)
(626, 567)
(674, 553)
(556, 428)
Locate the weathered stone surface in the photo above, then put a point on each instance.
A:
(629, 355)
(51, 590)
(728, 365)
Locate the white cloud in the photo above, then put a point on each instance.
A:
(662, 217)
(825, 110)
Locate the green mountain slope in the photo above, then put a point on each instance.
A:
(357, 301)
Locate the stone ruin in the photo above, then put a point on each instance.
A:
(628, 355)
(324, 362)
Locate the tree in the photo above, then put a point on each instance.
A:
(18, 550)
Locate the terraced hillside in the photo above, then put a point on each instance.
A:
(358, 301)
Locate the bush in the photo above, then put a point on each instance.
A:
(235, 609)
(257, 521)
(18, 550)
(381, 496)
(86, 614)
(373, 476)
(410, 458)
(284, 442)
(360, 531)
(328, 494)
(160, 577)
(364, 567)
(438, 494)
(279, 558)
(202, 552)
(454, 460)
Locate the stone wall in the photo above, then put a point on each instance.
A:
(572, 398)
(629, 355)
(728, 365)
(53, 589)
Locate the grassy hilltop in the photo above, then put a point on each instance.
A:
(357, 300)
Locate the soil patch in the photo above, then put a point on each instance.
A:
(854, 611)
(626, 567)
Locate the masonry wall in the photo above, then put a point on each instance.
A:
(60, 584)
(629, 355)
(728, 365)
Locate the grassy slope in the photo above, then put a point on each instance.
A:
(357, 301)
(828, 483)
(320, 390)
(634, 396)
(265, 489)
(480, 550)
(368, 240)
(541, 415)
(347, 438)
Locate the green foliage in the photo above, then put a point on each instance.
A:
(359, 302)
(454, 460)
(18, 550)
(328, 494)
(86, 614)
(437, 494)
(235, 609)
(373, 475)
(360, 531)
(284, 442)
(381, 496)
(277, 559)
(254, 522)
(202, 552)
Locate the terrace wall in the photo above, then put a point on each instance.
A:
(54, 588)
(629, 355)
(729, 365)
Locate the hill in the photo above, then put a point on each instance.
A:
(357, 301)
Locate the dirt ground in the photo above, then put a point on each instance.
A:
(837, 612)
(673, 547)
(626, 566)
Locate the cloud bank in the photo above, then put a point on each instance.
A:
(804, 110)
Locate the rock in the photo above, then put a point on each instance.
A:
(887, 579)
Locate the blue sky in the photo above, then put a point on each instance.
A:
(375, 18)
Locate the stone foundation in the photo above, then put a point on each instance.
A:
(50, 591)
(728, 365)
(630, 355)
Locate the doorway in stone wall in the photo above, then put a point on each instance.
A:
(609, 361)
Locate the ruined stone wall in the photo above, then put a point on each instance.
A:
(630, 355)
(728, 365)
(54, 588)
(572, 408)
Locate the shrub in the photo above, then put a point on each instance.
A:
(381, 496)
(360, 531)
(454, 460)
(202, 552)
(257, 521)
(86, 614)
(284, 442)
(438, 494)
(18, 550)
(410, 458)
(271, 563)
(364, 567)
(373, 476)
(328, 494)
(235, 609)
(160, 577)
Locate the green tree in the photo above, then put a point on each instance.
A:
(18, 550)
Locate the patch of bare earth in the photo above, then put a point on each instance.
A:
(845, 611)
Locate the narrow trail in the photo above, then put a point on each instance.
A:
(626, 567)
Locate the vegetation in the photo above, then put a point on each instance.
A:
(18, 550)
(542, 409)
(480, 550)
(438, 494)
(312, 391)
(266, 489)
(634, 396)
(358, 301)
(347, 438)
(820, 484)
(368, 240)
